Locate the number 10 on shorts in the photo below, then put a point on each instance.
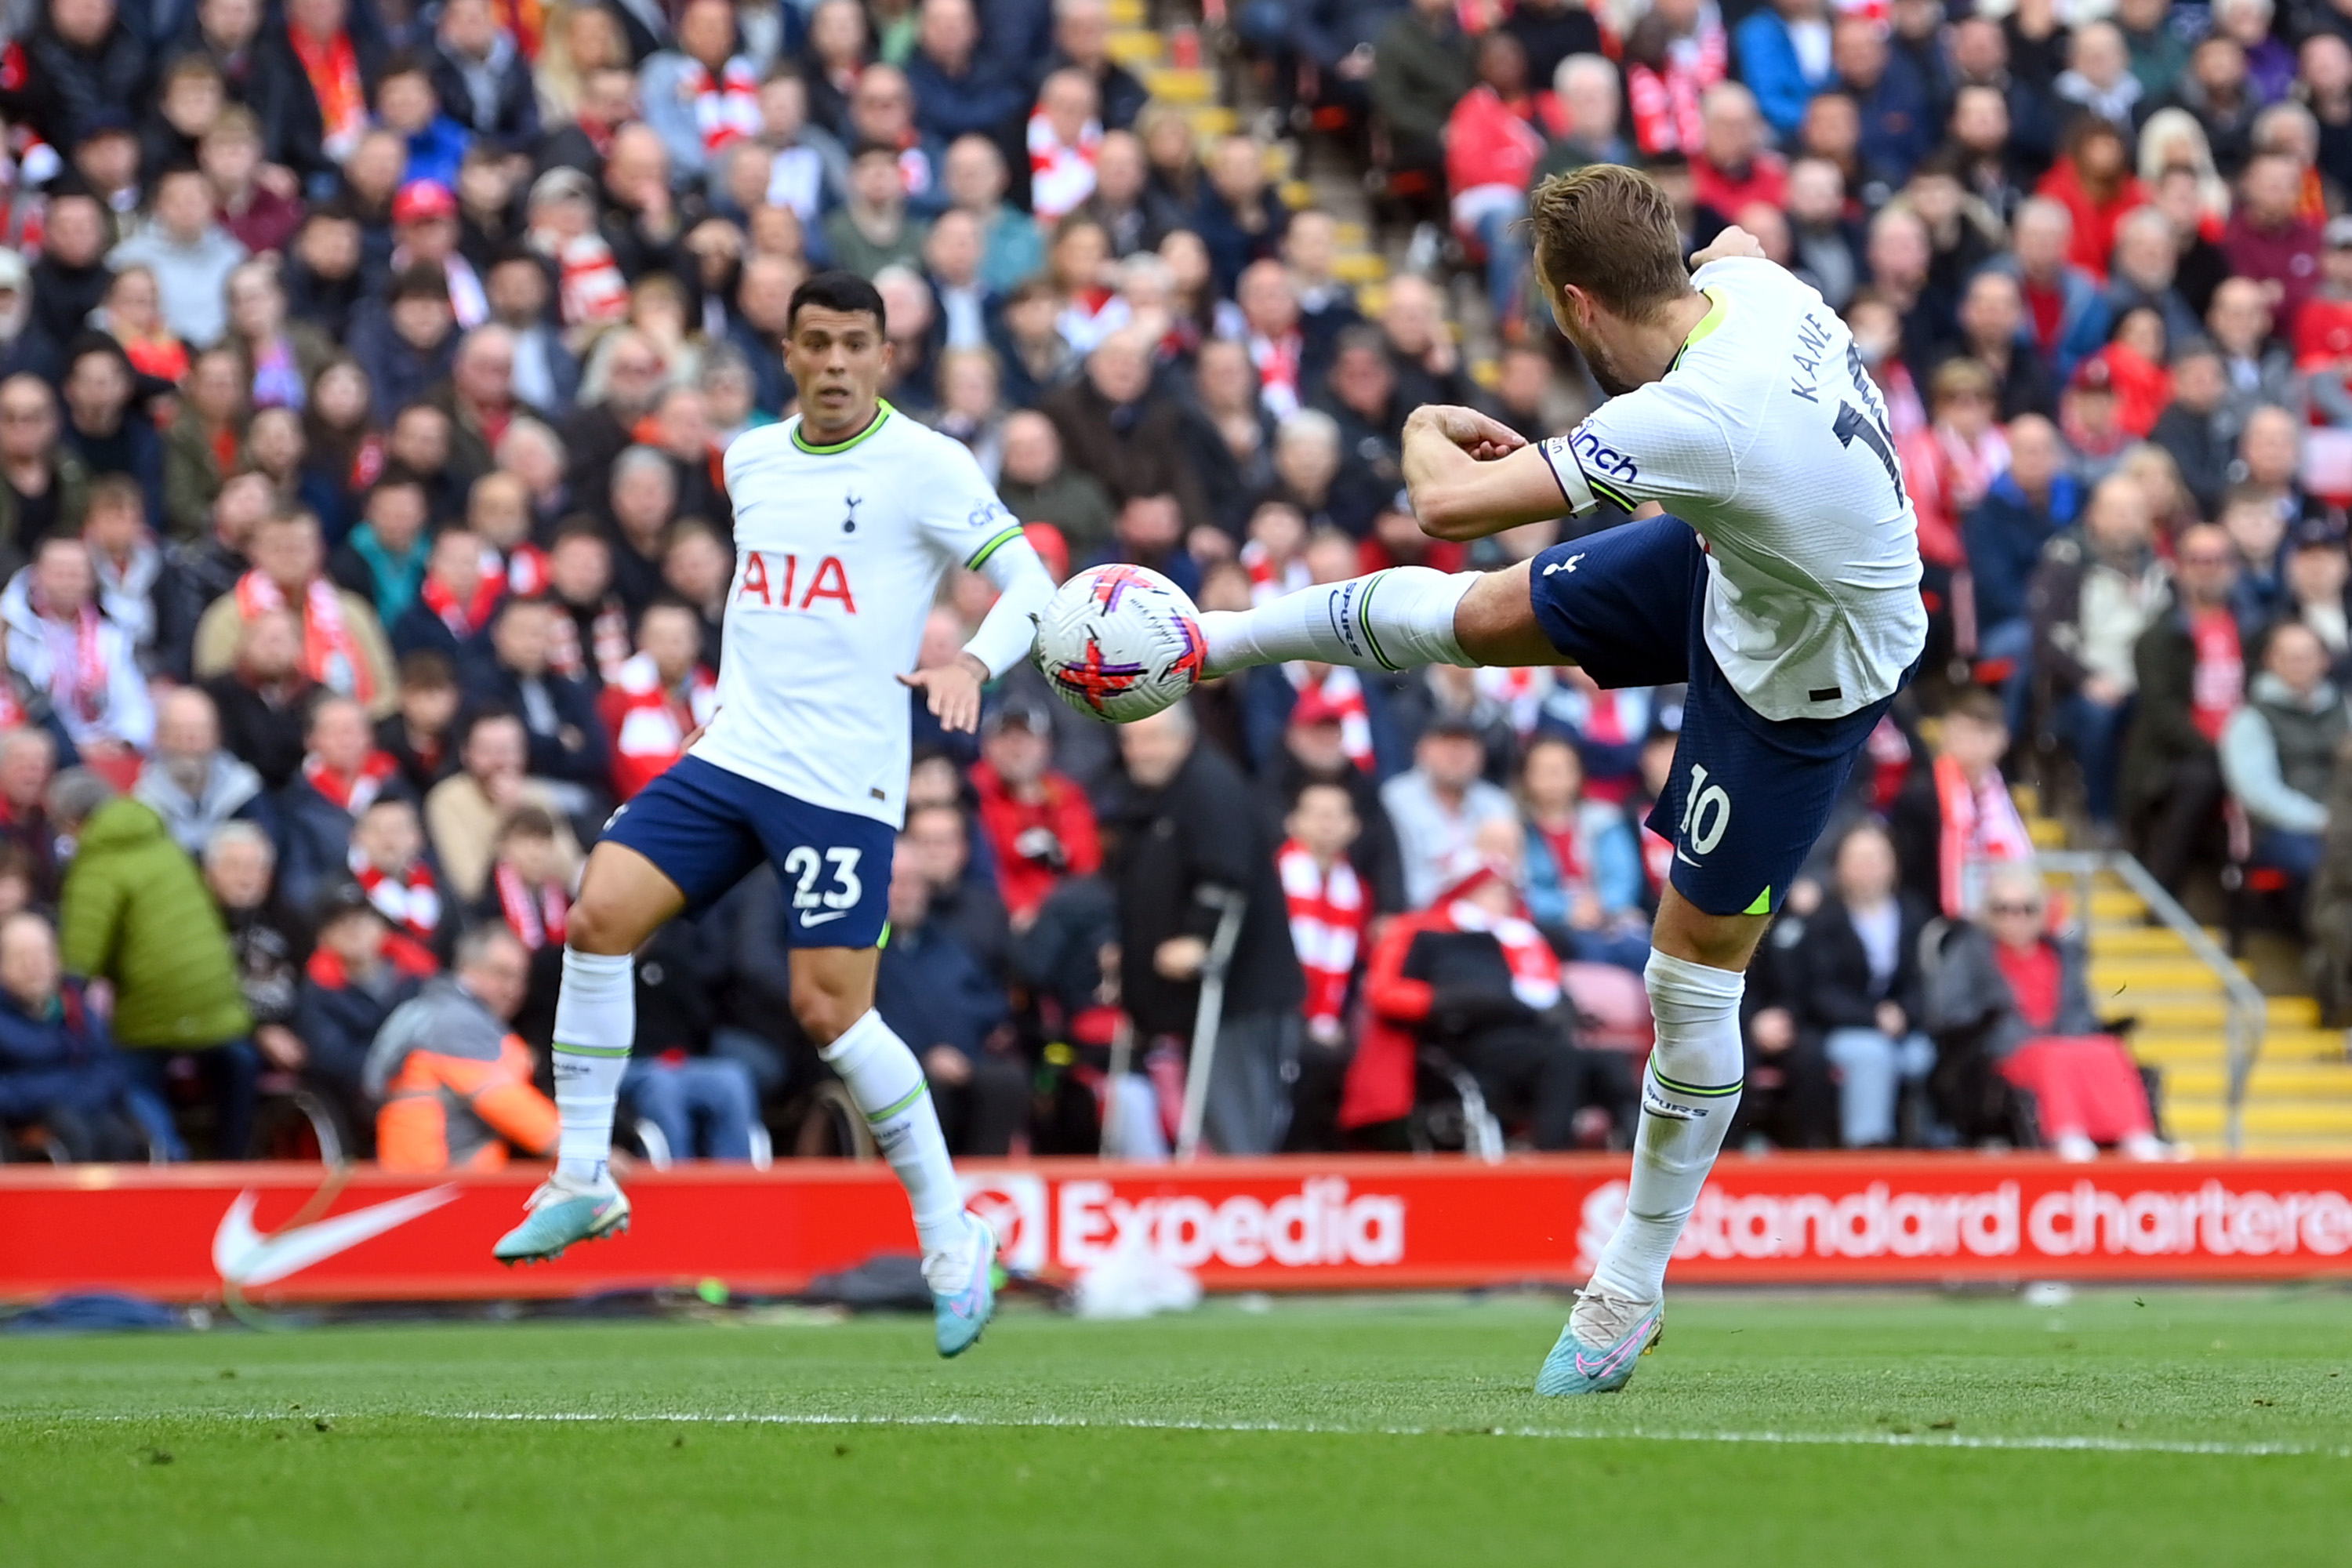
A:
(1706, 813)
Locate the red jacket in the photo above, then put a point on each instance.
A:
(1766, 180)
(1037, 843)
(648, 724)
(1489, 143)
(2095, 221)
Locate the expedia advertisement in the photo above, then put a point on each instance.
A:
(300, 1233)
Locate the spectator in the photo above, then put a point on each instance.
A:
(2098, 76)
(451, 611)
(2197, 430)
(463, 811)
(104, 426)
(1439, 806)
(2317, 572)
(71, 280)
(343, 646)
(2005, 533)
(417, 736)
(387, 859)
(956, 91)
(1472, 975)
(1494, 139)
(82, 59)
(1330, 911)
(2093, 181)
(644, 502)
(1954, 822)
(1238, 218)
(2270, 241)
(2257, 532)
(665, 694)
(1040, 827)
(2098, 588)
(566, 739)
(1734, 168)
(202, 447)
(2145, 273)
(133, 317)
(1993, 331)
(383, 560)
(361, 970)
(2021, 997)
(258, 701)
(408, 345)
(936, 996)
(128, 566)
(1858, 988)
(1582, 872)
(44, 487)
(343, 774)
(1012, 248)
(453, 1082)
(1785, 56)
(481, 77)
(266, 939)
(193, 784)
(59, 1071)
(256, 217)
(71, 656)
(1950, 466)
(29, 761)
(1082, 43)
(2278, 751)
(2261, 373)
(701, 1104)
(2066, 314)
(589, 639)
(2190, 677)
(1193, 854)
(190, 254)
(132, 911)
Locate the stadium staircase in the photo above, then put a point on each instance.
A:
(2299, 1097)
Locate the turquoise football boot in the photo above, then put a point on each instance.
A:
(564, 1211)
(1616, 1332)
(958, 1314)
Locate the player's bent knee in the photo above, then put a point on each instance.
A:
(1684, 931)
(600, 926)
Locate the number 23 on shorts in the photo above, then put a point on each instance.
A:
(818, 898)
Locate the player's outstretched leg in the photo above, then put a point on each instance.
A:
(1394, 620)
(1690, 1091)
(622, 899)
(887, 1082)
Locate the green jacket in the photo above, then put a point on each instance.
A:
(192, 478)
(1420, 72)
(134, 911)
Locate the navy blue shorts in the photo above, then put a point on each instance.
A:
(1749, 794)
(707, 829)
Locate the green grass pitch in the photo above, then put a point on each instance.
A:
(2123, 1428)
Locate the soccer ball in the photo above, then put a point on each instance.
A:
(1120, 643)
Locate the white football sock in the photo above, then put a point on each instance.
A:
(1688, 1094)
(1396, 619)
(887, 1082)
(595, 1024)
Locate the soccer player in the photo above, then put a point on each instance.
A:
(1785, 591)
(846, 520)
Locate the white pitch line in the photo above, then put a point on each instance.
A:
(2028, 1442)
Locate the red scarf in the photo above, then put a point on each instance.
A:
(726, 111)
(649, 721)
(403, 953)
(353, 792)
(1567, 847)
(1327, 916)
(1270, 579)
(1060, 177)
(83, 663)
(1535, 968)
(1889, 750)
(2034, 976)
(330, 655)
(1980, 825)
(523, 569)
(1277, 360)
(332, 66)
(537, 919)
(463, 620)
(409, 901)
(2219, 681)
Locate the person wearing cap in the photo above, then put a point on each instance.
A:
(424, 234)
(407, 344)
(1038, 822)
(359, 972)
(2317, 571)
(190, 254)
(2091, 414)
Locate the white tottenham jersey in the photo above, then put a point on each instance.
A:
(1767, 437)
(839, 553)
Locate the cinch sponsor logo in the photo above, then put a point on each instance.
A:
(1605, 461)
(775, 579)
(2084, 1220)
(1318, 1225)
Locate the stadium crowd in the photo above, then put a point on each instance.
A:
(364, 369)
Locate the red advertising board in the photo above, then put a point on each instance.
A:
(292, 1233)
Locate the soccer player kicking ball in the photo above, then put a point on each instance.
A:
(846, 520)
(1786, 591)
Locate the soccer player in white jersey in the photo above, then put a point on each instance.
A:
(846, 517)
(1785, 590)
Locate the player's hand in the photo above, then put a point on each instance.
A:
(953, 691)
(1483, 437)
(1732, 241)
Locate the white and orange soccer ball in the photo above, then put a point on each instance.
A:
(1120, 643)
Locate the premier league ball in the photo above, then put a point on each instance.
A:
(1120, 643)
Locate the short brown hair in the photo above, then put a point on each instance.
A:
(1610, 231)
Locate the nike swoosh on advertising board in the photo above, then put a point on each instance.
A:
(245, 1256)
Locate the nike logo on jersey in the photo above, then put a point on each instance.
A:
(807, 920)
(1566, 565)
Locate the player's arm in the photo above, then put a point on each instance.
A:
(1003, 638)
(1470, 476)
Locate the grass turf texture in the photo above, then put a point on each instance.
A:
(435, 1442)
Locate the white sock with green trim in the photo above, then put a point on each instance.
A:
(595, 1024)
(1396, 619)
(1690, 1091)
(887, 1082)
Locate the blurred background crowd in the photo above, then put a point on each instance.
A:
(364, 369)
